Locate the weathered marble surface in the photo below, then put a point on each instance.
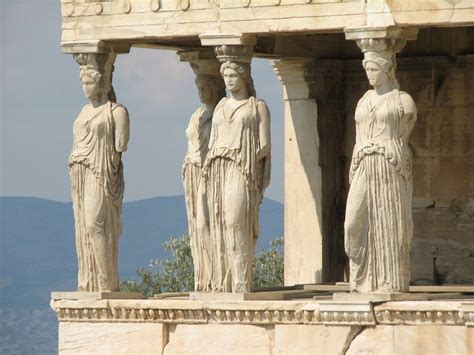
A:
(442, 246)
(142, 19)
(235, 174)
(378, 224)
(211, 89)
(106, 338)
(100, 136)
(223, 339)
(264, 327)
(440, 340)
(313, 339)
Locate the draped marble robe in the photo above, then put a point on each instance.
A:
(235, 181)
(97, 185)
(198, 134)
(378, 226)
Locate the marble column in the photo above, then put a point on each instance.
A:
(303, 175)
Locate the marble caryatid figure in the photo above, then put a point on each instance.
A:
(378, 225)
(211, 89)
(100, 135)
(236, 172)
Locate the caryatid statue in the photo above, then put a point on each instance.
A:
(211, 89)
(100, 135)
(236, 172)
(378, 225)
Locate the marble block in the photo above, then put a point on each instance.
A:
(434, 339)
(313, 339)
(111, 338)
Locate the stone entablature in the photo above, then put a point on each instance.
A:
(327, 313)
(145, 21)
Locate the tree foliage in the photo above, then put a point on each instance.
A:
(176, 273)
(167, 275)
(268, 265)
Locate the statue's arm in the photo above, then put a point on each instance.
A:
(409, 116)
(264, 129)
(122, 128)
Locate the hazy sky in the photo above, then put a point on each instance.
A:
(41, 96)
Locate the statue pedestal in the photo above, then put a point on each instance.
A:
(82, 295)
(379, 297)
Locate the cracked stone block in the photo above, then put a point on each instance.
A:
(414, 340)
(313, 339)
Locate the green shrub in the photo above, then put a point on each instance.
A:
(176, 273)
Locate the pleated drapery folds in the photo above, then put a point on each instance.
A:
(97, 186)
(378, 225)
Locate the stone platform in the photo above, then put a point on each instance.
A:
(379, 297)
(307, 326)
(81, 295)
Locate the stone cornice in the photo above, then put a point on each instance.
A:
(266, 312)
(420, 313)
(141, 20)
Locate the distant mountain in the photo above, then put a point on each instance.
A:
(38, 248)
(37, 256)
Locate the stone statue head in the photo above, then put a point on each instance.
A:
(243, 71)
(379, 67)
(210, 88)
(96, 74)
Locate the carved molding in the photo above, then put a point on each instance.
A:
(345, 313)
(266, 312)
(396, 317)
(155, 5)
(424, 313)
(467, 313)
(234, 53)
(185, 4)
(130, 314)
(225, 316)
(387, 45)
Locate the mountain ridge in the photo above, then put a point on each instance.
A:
(38, 242)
